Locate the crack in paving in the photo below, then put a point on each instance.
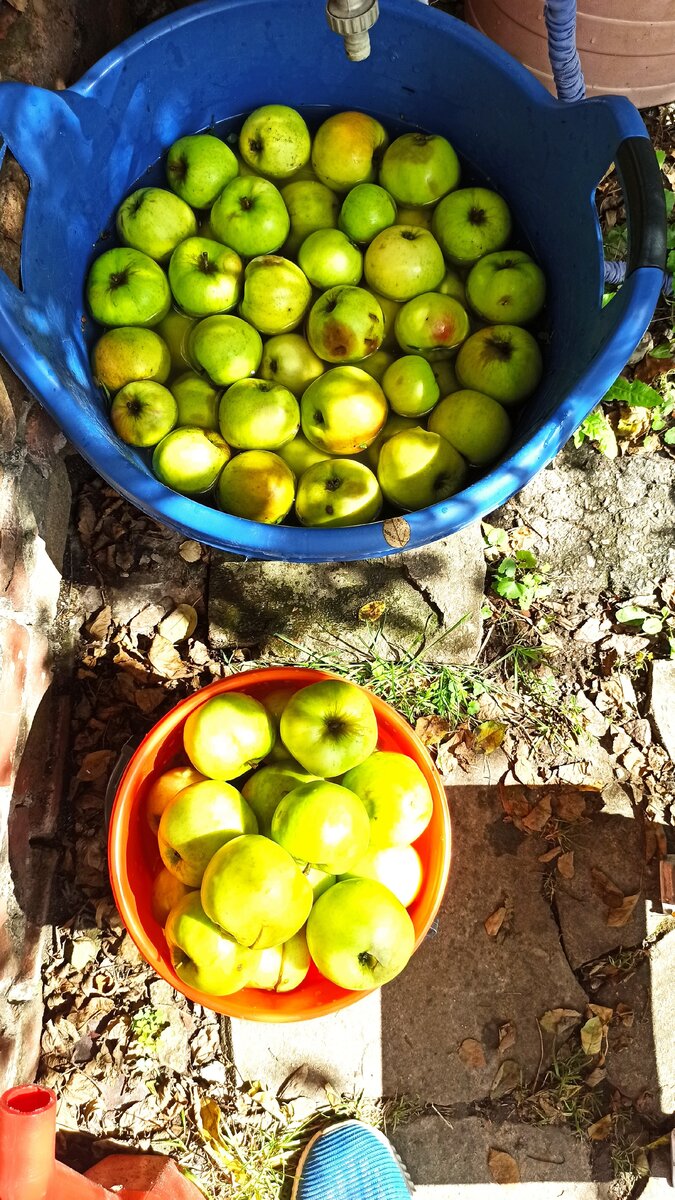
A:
(422, 591)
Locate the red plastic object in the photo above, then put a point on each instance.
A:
(133, 857)
(29, 1170)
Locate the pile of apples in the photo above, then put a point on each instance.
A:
(315, 327)
(312, 860)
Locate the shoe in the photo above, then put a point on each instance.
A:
(350, 1161)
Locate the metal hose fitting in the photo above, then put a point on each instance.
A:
(352, 19)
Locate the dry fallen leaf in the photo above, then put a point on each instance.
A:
(596, 1076)
(432, 730)
(559, 1020)
(625, 1014)
(180, 624)
(190, 551)
(95, 765)
(565, 864)
(507, 1036)
(148, 699)
(489, 736)
(591, 1036)
(538, 816)
(617, 917)
(602, 1011)
(494, 922)
(503, 1167)
(165, 658)
(569, 804)
(550, 855)
(506, 1079)
(471, 1053)
(373, 611)
(655, 841)
(601, 1129)
(99, 626)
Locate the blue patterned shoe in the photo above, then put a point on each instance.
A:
(350, 1161)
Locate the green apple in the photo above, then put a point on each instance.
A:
(228, 735)
(394, 424)
(175, 328)
(198, 167)
(396, 797)
(226, 347)
(167, 892)
(311, 206)
(328, 258)
(343, 411)
(126, 287)
(444, 374)
(275, 141)
(474, 424)
(404, 261)
(289, 360)
(205, 277)
(275, 703)
(502, 361)
(431, 325)
(470, 223)
(376, 364)
(256, 414)
(418, 468)
(197, 822)
(506, 286)
(347, 150)
(202, 955)
(419, 168)
(366, 210)
(322, 825)
(283, 968)
(337, 493)
(345, 325)
(299, 454)
(320, 881)
(268, 786)
(276, 294)
(197, 399)
(154, 221)
(254, 890)
(452, 284)
(258, 486)
(359, 935)
(410, 214)
(410, 386)
(251, 217)
(143, 413)
(329, 727)
(123, 355)
(190, 459)
(164, 788)
(398, 868)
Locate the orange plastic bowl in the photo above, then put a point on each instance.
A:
(134, 860)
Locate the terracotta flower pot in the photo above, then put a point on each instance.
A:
(625, 46)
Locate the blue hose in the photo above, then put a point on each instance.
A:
(561, 25)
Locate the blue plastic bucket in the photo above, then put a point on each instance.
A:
(83, 148)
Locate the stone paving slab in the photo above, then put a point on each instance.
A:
(449, 1157)
(465, 984)
(460, 984)
(614, 846)
(258, 604)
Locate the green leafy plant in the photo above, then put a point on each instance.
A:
(652, 622)
(147, 1026)
(521, 579)
(597, 428)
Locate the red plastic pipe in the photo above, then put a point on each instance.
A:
(27, 1139)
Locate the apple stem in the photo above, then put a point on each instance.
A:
(118, 279)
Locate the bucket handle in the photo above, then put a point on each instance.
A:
(645, 204)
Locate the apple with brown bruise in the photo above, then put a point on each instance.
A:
(431, 325)
(345, 325)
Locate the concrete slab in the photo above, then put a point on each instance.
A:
(449, 1157)
(614, 846)
(341, 1051)
(465, 984)
(316, 606)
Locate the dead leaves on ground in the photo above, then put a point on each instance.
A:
(499, 921)
(507, 1079)
(619, 907)
(531, 809)
(471, 1053)
(503, 1167)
